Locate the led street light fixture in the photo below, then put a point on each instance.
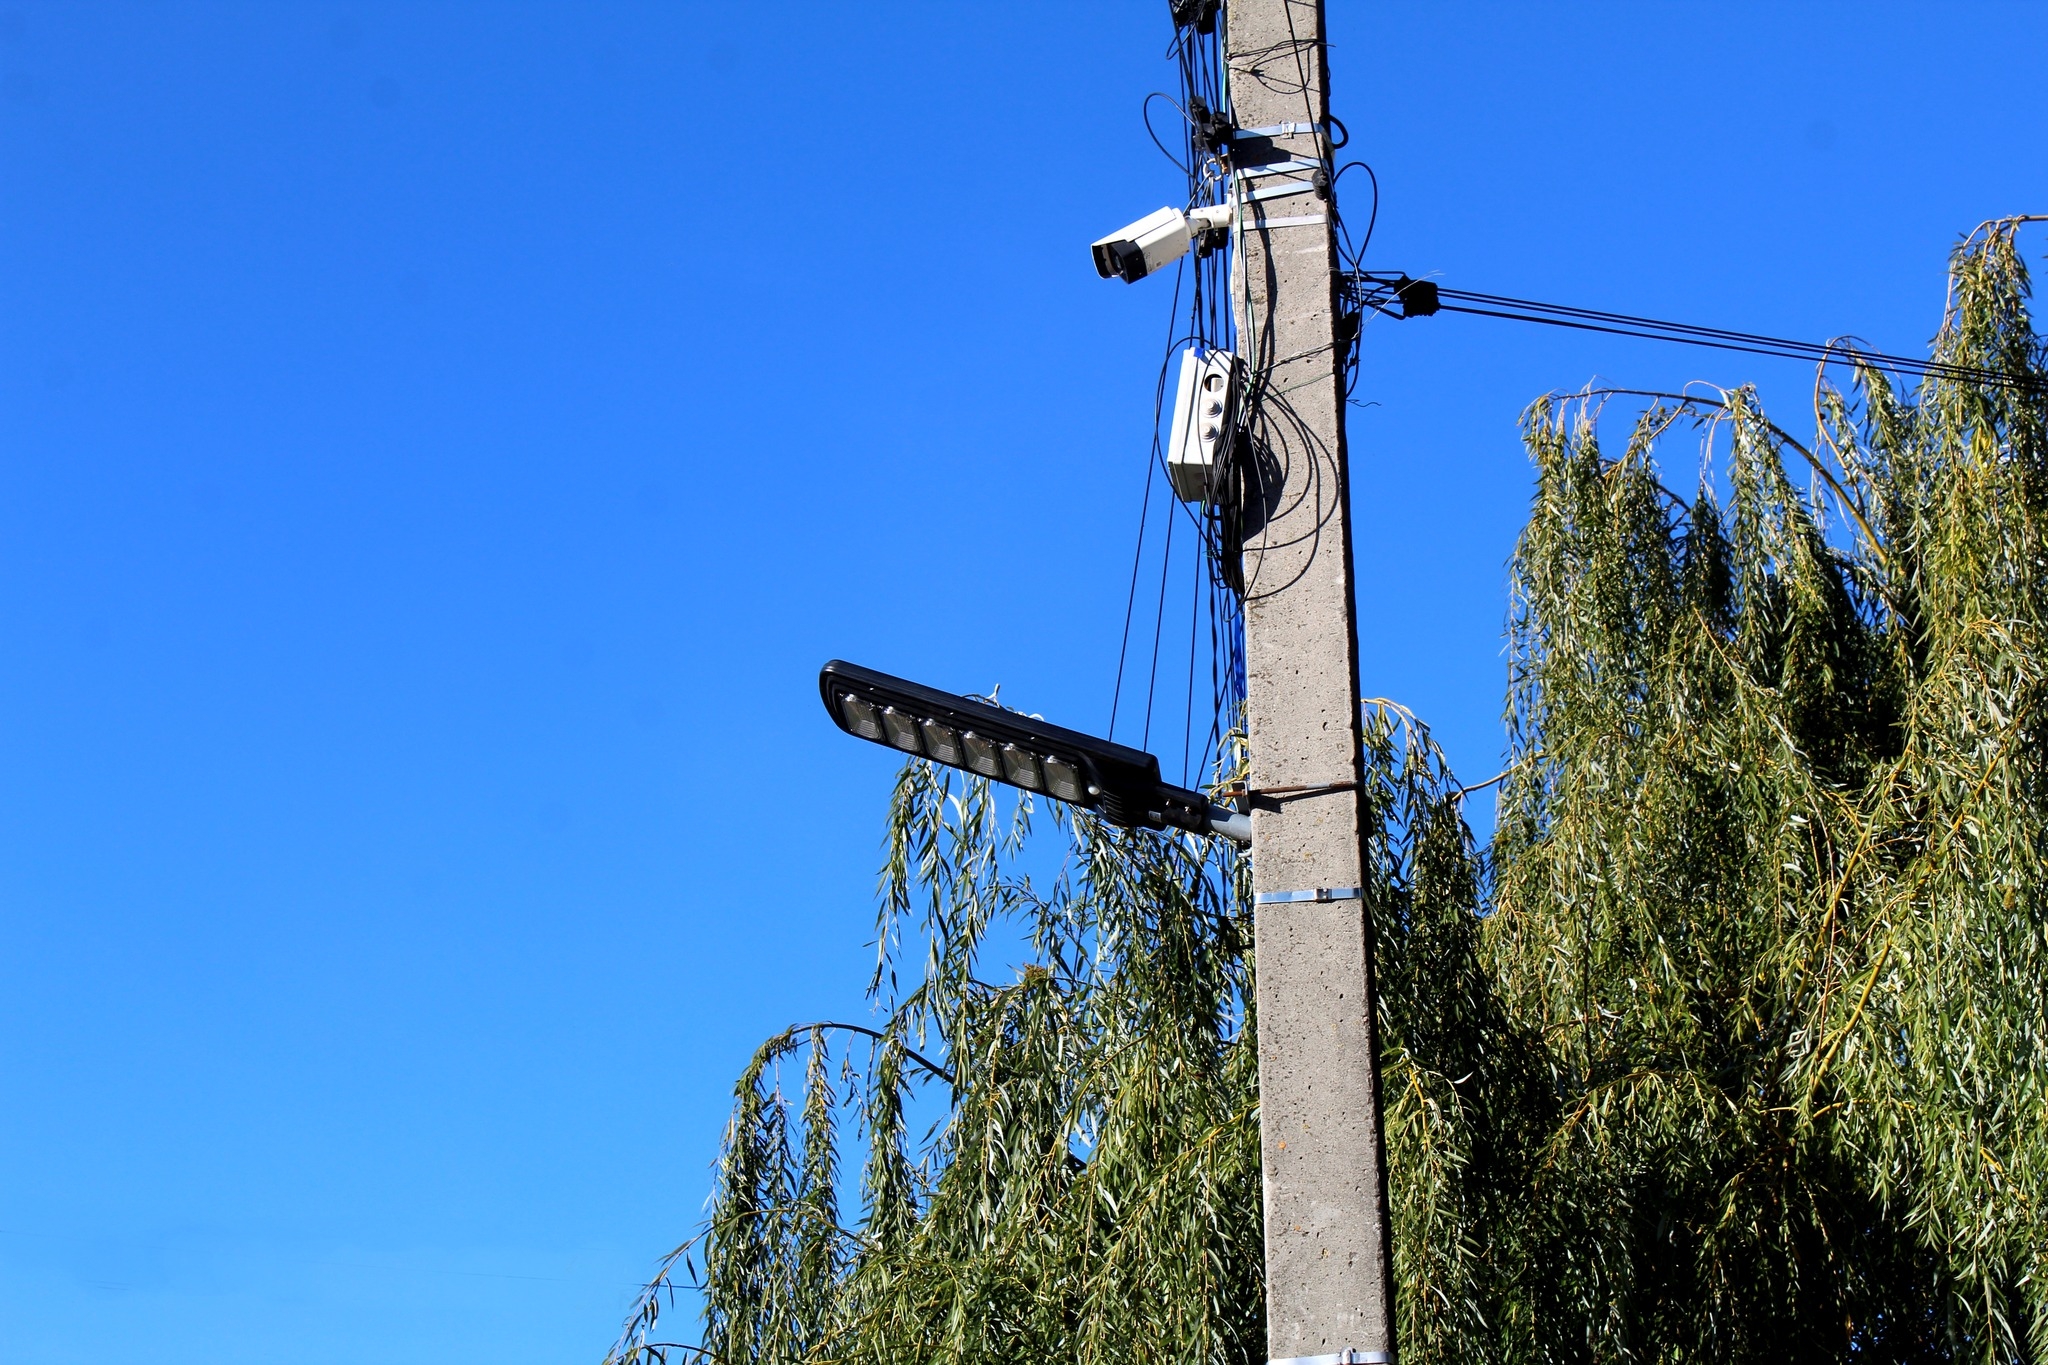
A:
(1116, 780)
(1157, 239)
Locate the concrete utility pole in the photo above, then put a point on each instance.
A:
(1329, 1275)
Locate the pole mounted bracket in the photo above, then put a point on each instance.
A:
(1317, 181)
(1282, 130)
(1313, 893)
(1291, 220)
(1394, 295)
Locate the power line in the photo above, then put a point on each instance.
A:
(1398, 296)
(1206, 547)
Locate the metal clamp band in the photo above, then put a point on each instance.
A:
(1280, 130)
(1285, 187)
(1314, 893)
(1293, 220)
(1282, 167)
(1344, 1357)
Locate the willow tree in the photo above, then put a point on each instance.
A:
(1731, 1046)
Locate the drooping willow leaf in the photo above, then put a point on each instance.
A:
(1731, 1046)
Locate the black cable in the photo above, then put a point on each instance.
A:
(1144, 516)
(1187, 729)
(1145, 113)
(1353, 260)
(1209, 323)
(1130, 603)
(1199, 763)
(1356, 256)
(1158, 627)
(1651, 329)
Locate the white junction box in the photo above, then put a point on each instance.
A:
(1203, 412)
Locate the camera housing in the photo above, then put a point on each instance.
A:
(1131, 253)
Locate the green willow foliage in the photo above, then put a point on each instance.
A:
(1731, 1047)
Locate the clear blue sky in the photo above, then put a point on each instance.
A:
(441, 441)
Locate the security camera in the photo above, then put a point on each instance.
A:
(1134, 252)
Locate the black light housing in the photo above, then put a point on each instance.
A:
(1120, 782)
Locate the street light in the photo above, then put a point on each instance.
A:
(1116, 780)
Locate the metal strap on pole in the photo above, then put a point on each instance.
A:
(1290, 165)
(1284, 188)
(1344, 1357)
(1280, 130)
(1314, 893)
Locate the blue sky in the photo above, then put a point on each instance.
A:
(439, 442)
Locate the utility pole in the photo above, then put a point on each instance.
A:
(1329, 1274)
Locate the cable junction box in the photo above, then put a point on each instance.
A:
(1204, 409)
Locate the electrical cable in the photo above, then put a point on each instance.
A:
(1203, 318)
(1840, 351)
(1144, 518)
(1353, 255)
(1272, 440)
(1187, 735)
(1158, 628)
(1145, 113)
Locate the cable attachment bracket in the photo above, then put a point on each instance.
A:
(1385, 292)
(1212, 127)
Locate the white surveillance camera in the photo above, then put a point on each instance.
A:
(1157, 239)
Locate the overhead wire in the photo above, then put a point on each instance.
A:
(1378, 292)
(1215, 321)
(1276, 429)
(1202, 317)
(1221, 313)
(1688, 334)
(1145, 113)
(1187, 736)
(1144, 516)
(1158, 629)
